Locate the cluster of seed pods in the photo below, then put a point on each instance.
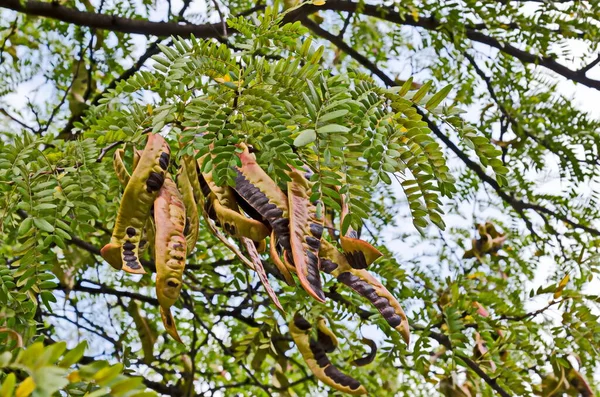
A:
(164, 214)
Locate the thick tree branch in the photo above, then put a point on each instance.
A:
(430, 23)
(111, 22)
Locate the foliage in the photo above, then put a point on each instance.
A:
(398, 107)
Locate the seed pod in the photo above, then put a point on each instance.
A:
(191, 209)
(318, 362)
(140, 192)
(278, 262)
(225, 208)
(306, 228)
(359, 253)
(124, 177)
(361, 281)
(261, 193)
(260, 270)
(369, 357)
(325, 336)
(146, 333)
(170, 246)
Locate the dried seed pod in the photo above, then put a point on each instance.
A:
(260, 270)
(261, 193)
(140, 192)
(285, 272)
(145, 331)
(191, 209)
(306, 228)
(318, 362)
(170, 246)
(325, 336)
(369, 357)
(359, 253)
(361, 281)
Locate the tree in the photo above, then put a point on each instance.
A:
(447, 123)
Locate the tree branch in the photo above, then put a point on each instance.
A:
(518, 205)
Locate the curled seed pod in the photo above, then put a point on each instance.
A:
(146, 333)
(140, 192)
(170, 246)
(192, 223)
(260, 270)
(278, 262)
(226, 211)
(261, 193)
(306, 229)
(360, 254)
(325, 336)
(362, 282)
(369, 357)
(238, 225)
(318, 362)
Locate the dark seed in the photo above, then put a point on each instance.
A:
(163, 161)
(127, 252)
(316, 230)
(129, 245)
(130, 231)
(328, 266)
(173, 284)
(129, 258)
(301, 323)
(133, 265)
(313, 243)
(394, 321)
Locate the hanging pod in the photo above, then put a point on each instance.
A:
(306, 229)
(223, 205)
(123, 176)
(260, 270)
(140, 193)
(361, 281)
(360, 254)
(315, 357)
(370, 356)
(325, 336)
(262, 194)
(170, 250)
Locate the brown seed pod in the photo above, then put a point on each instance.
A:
(170, 246)
(283, 269)
(140, 192)
(359, 253)
(361, 281)
(369, 357)
(318, 362)
(261, 193)
(260, 270)
(325, 336)
(306, 228)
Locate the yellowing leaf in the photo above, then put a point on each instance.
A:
(561, 286)
(319, 2)
(25, 388)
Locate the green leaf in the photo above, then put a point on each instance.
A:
(43, 225)
(438, 97)
(332, 129)
(305, 137)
